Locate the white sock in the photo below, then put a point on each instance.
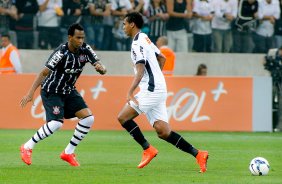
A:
(81, 129)
(45, 131)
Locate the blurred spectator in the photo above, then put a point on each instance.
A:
(139, 6)
(162, 44)
(176, 25)
(87, 21)
(147, 4)
(202, 70)
(244, 26)
(158, 16)
(93, 22)
(268, 13)
(203, 12)
(7, 11)
(49, 15)
(225, 12)
(9, 57)
(72, 14)
(278, 28)
(24, 26)
(108, 24)
(119, 9)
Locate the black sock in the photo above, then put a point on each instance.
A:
(136, 133)
(175, 139)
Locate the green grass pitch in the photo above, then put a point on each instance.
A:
(112, 157)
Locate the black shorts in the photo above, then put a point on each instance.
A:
(60, 106)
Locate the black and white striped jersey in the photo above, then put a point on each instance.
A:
(66, 67)
(157, 26)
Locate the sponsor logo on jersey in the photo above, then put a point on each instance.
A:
(142, 51)
(92, 53)
(91, 50)
(78, 70)
(134, 54)
(55, 59)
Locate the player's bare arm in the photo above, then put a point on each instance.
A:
(37, 82)
(161, 59)
(99, 67)
(140, 68)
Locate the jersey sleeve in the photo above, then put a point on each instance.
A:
(138, 54)
(92, 56)
(55, 58)
(157, 51)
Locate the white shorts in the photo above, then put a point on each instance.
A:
(152, 104)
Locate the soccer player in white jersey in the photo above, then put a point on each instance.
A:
(151, 99)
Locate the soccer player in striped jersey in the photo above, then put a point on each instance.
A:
(151, 99)
(59, 95)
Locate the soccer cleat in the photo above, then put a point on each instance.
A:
(70, 158)
(147, 156)
(26, 155)
(202, 159)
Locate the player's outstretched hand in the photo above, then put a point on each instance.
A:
(25, 100)
(100, 68)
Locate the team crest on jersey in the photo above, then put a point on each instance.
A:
(82, 58)
(56, 110)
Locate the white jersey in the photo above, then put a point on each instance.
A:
(144, 51)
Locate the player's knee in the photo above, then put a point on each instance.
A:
(55, 125)
(121, 119)
(88, 121)
(163, 134)
(162, 129)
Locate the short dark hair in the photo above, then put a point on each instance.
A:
(6, 35)
(136, 18)
(73, 27)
